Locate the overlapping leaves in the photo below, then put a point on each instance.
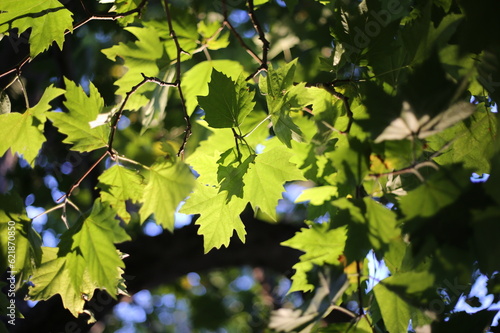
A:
(48, 21)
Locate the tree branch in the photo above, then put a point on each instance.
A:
(237, 35)
(262, 37)
(187, 131)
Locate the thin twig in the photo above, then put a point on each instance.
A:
(75, 185)
(265, 43)
(330, 87)
(49, 210)
(125, 159)
(119, 113)
(236, 137)
(252, 130)
(180, 51)
(237, 35)
(411, 169)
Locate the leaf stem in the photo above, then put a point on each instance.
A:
(253, 130)
(123, 158)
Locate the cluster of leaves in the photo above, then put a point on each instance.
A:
(384, 148)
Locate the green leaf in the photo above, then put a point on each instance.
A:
(47, 19)
(228, 102)
(276, 83)
(119, 184)
(265, 178)
(231, 170)
(212, 37)
(88, 246)
(20, 244)
(195, 80)
(76, 123)
(395, 311)
(318, 195)
(123, 6)
(53, 277)
(23, 133)
(139, 57)
(436, 193)
(285, 129)
(321, 245)
(351, 159)
(471, 142)
(204, 159)
(382, 224)
(282, 97)
(219, 218)
(168, 185)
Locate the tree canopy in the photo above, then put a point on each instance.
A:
(316, 140)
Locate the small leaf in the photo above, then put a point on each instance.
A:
(195, 80)
(139, 57)
(219, 218)
(118, 185)
(75, 124)
(23, 133)
(228, 102)
(265, 178)
(168, 185)
(88, 246)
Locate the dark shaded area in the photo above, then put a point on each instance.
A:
(154, 261)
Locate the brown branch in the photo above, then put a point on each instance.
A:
(114, 126)
(119, 113)
(187, 131)
(112, 17)
(77, 183)
(265, 43)
(411, 169)
(239, 38)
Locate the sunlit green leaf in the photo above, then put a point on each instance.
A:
(76, 123)
(219, 218)
(321, 245)
(23, 133)
(265, 178)
(118, 185)
(167, 186)
(48, 20)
